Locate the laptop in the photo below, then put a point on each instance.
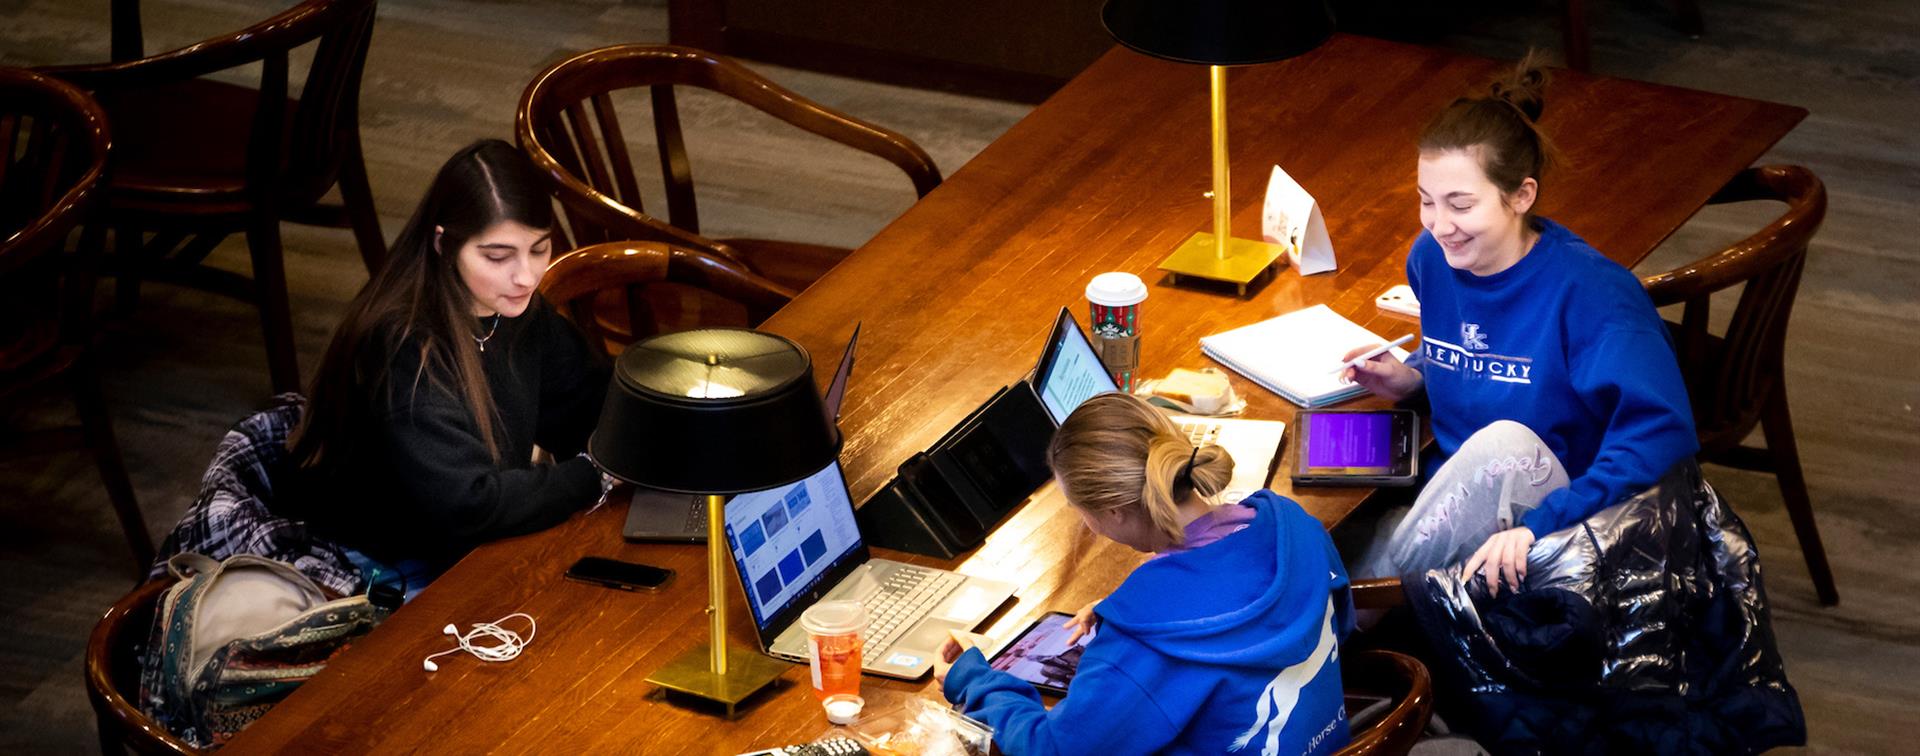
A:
(1070, 372)
(797, 545)
(661, 516)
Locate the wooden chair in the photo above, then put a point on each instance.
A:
(593, 175)
(1737, 379)
(605, 289)
(53, 154)
(1400, 678)
(197, 160)
(113, 675)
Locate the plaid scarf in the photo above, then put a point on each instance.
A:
(232, 515)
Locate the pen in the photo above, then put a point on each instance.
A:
(1372, 353)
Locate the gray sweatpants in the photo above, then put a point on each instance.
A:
(1499, 474)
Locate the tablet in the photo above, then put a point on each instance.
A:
(1040, 654)
(1356, 448)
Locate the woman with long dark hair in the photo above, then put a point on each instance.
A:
(417, 442)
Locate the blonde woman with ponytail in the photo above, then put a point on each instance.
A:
(1225, 639)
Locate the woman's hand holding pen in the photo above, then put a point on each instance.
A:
(1384, 375)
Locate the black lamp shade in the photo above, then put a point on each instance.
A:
(713, 411)
(1219, 32)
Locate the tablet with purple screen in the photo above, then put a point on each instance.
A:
(1356, 447)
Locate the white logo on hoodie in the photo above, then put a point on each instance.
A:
(1283, 693)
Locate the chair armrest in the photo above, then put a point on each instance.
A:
(285, 31)
(1806, 199)
(1378, 593)
(104, 691)
(728, 77)
(603, 266)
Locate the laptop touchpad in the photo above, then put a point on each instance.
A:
(928, 636)
(968, 605)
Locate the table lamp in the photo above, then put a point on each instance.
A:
(714, 411)
(1220, 33)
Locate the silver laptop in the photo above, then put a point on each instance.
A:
(660, 516)
(1252, 443)
(797, 545)
(1070, 372)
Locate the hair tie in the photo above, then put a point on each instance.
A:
(1190, 458)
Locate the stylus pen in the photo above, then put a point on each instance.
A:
(1372, 353)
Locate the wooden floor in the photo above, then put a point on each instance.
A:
(445, 72)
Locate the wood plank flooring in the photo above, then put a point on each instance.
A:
(445, 72)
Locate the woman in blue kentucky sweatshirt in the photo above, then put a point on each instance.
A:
(1553, 385)
(1226, 641)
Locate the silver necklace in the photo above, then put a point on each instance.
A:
(482, 340)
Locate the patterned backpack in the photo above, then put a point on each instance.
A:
(233, 638)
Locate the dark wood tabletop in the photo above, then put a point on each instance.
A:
(956, 297)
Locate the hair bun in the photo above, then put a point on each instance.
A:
(1524, 88)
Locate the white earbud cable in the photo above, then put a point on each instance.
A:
(508, 646)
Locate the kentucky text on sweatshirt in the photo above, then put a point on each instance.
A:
(1567, 343)
(1232, 647)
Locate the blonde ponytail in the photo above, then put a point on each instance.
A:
(1116, 452)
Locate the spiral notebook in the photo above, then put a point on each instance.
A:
(1296, 355)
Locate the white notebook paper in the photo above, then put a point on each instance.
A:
(1295, 355)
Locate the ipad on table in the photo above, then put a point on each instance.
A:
(1356, 448)
(1041, 655)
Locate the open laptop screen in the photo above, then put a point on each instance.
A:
(837, 389)
(1070, 372)
(787, 540)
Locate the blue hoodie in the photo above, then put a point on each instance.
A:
(1232, 647)
(1567, 343)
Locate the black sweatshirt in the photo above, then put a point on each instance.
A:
(418, 483)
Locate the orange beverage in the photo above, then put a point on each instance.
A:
(835, 630)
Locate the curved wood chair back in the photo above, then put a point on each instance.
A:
(54, 143)
(1399, 677)
(1730, 376)
(567, 124)
(113, 675)
(53, 156)
(201, 159)
(619, 293)
(294, 159)
(1737, 379)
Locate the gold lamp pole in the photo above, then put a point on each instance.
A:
(707, 673)
(1220, 256)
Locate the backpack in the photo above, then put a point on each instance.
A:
(233, 638)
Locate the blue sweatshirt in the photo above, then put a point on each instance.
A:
(1230, 647)
(1567, 343)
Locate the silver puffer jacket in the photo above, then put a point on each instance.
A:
(1645, 628)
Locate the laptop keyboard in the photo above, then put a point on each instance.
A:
(697, 515)
(1200, 434)
(906, 596)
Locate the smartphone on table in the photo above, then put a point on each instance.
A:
(613, 573)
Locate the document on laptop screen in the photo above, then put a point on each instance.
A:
(1075, 375)
(785, 538)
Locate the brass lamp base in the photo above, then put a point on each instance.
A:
(747, 672)
(1246, 259)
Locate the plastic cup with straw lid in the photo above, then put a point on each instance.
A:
(1115, 300)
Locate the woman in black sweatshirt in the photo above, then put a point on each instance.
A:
(417, 440)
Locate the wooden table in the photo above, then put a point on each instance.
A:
(956, 297)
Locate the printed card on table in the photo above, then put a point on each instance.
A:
(1292, 218)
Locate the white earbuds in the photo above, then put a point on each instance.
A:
(508, 646)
